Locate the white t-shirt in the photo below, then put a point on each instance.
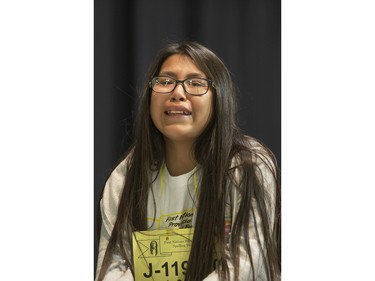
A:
(175, 198)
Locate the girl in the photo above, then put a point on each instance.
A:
(190, 167)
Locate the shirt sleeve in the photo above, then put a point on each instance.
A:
(267, 179)
(118, 270)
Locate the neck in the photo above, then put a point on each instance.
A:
(179, 158)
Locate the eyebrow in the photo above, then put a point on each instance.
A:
(190, 75)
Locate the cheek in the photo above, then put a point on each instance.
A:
(153, 108)
(210, 106)
(206, 110)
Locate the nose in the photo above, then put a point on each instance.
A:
(178, 94)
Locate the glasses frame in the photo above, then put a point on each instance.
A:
(210, 83)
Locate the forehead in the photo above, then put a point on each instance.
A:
(180, 66)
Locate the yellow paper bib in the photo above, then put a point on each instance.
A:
(162, 255)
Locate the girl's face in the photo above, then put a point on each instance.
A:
(180, 117)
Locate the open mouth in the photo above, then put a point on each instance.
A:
(177, 112)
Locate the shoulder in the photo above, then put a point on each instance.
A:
(112, 194)
(115, 182)
(253, 164)
(251, 152)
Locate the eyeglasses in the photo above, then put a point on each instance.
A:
(192, 86)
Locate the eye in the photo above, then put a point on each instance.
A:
(164, 81)
(197, 83)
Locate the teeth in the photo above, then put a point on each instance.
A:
(177, 112)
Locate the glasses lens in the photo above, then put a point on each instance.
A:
(163, 84)
(196, 86)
